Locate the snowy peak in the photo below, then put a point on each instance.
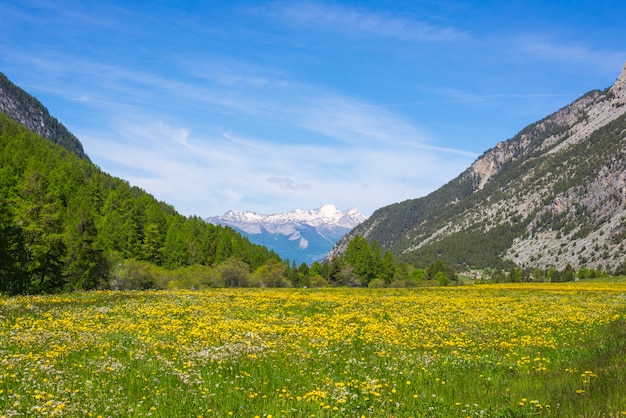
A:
(327, 216)
(300, 235)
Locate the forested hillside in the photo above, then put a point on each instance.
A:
(66, 225)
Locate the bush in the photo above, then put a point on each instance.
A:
(442, 278)
(377, 283)
(234, 273)
(270, 274)
(193, 278)
(318, 281)
(137, 275)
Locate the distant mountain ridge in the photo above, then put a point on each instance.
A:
(553, 195)
(299, 235)
(30, 113)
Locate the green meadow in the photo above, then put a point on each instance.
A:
(514, 350)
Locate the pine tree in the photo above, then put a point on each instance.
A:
(13, 274)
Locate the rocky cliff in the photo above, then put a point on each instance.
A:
(554, 194)
(30, 113)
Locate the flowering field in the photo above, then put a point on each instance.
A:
(502, 350)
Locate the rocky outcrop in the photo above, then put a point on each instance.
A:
(554, 194)
(30, 113)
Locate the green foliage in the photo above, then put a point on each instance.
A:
(517, 275)
(442, 273)
(376, 284)
(364, 264)
(270, 274)
(13, 254)
(136, 275)
(418, 275)
(194, 277)
(234, 273)
(64, 224)
(441, 278)
(318, 281)
(466, 227)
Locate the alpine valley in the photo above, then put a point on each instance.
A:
(553, 195)
(300, 236)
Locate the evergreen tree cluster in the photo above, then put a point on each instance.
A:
(364, 264)
(522, 275)
(66, 225)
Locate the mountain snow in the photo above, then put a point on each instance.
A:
(326, 216)
(300, 235)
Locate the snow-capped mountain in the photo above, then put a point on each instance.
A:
(299, 235)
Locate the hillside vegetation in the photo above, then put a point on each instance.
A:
(66, 225)
(553, 195)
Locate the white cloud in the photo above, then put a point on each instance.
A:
(259, 139)
(288, 184)
(208, 175)
(545, 49)
(357, 21)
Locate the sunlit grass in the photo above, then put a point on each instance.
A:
(491, 350)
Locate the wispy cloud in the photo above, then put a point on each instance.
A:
(360, 22)
(451, 95)
(212, 174)
(288, 184)
(315, 145)
(216, 119)
(547, 49)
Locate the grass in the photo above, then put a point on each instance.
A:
(554, 350)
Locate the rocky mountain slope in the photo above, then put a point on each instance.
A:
(554, 194)
(301, 236)
(30, 113)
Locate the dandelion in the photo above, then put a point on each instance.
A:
(288, 347)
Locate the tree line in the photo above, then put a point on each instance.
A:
(66, 225)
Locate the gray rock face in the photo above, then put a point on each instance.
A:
(554, 194)
(30, 113)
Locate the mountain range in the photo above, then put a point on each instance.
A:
(299, 235)
(551, 196)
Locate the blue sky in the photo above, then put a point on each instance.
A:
(272, 106)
